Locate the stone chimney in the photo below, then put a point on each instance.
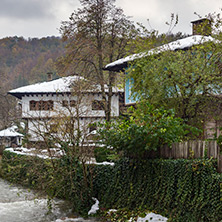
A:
(49, 76)
(202, 27)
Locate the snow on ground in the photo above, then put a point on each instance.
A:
(79, 219)
(152, 217)
(93, 161)
(44, 154)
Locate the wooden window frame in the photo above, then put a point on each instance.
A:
(33, 105)
(98, 105)
(65, 103)
(72, 103)
(41, 105)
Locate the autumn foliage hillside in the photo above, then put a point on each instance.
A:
(25, 62)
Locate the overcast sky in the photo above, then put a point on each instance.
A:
(41, 18)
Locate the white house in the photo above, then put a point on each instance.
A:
(72, 99)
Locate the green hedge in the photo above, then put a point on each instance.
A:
(182, 190)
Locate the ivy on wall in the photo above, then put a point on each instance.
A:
(183, 190)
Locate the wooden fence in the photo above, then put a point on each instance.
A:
(189, 149)
(193, 149)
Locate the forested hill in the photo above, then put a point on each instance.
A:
(24, 62)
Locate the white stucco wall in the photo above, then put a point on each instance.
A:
(84, 109)
(38, 128)
(40, 121)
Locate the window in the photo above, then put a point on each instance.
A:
(65, 103)
(72, 103)
(33, 105)
(49, 105)
(98, 105)
(41, 105)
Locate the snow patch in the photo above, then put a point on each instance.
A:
(92, 161)
(58, 85)
(43, 154)
(67, 219)
(152, 217)
(94, 207)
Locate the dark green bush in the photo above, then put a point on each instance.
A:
(183, 190)
(105, 154)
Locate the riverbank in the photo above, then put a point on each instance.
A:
(24, 205)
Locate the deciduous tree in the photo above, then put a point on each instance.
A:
(96, 34)
(189, 80)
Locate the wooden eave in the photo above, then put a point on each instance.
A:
(58, 117)
(20, 95)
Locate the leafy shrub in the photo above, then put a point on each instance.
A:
(143, 130)
(103, 154)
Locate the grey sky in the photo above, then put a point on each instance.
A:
(41, 18)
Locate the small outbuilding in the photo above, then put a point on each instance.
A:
(10, 137)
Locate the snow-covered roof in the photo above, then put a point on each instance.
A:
(10, 132)
(61, 85)
(175, 45)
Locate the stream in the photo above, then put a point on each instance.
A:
(21, 205)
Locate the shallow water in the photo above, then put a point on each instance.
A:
(21, 205)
